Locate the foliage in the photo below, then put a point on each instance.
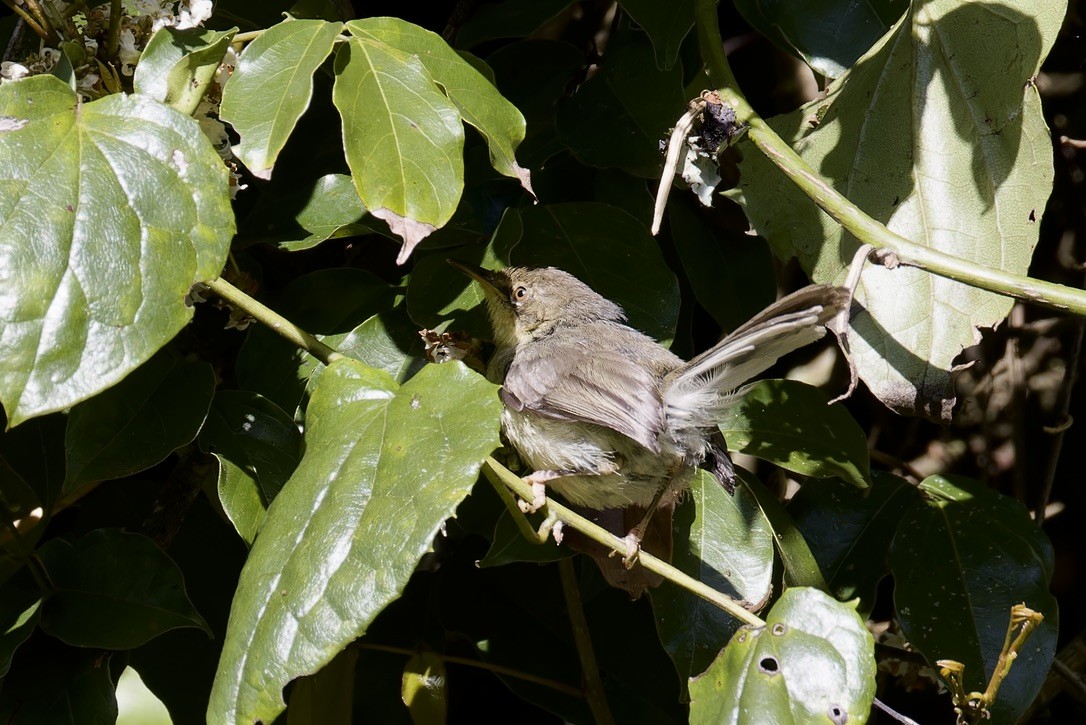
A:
(230, 511)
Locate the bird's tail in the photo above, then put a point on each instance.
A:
(697, 394)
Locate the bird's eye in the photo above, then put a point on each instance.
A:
(520, 293)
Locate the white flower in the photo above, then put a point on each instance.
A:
(126, 52)
(12, 71)
(193, 13)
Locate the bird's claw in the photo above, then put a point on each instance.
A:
(633, 549)
(551, 526)
(539, 496)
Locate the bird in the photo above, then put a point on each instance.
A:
(604, 414)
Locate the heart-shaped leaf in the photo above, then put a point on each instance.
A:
(109, 212)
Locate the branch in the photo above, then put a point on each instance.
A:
(498, 473)
(274, 321)
(850, 216)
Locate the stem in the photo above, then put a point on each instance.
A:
(850, 216)
(275, 321)
(30, 21)
(493, 469)
(597, 700)
(243, 38)
(488, 666)
(114, 34)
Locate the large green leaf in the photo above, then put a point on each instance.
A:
(850, 529)
(138, 422)
(800, 566)
(403, 138)
(812, 662)
(109, 212)
(790, 424)
(113, 590)
(177, 66)
(618, 117)
(961, 559)
(828, 34)
(607, 249)
(923, 136)
(721, 540)
(474, 94)
(272, 86)
(666, 24)
(384, 466)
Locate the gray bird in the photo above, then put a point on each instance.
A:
(604, 414)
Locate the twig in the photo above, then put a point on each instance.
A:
(488, 666)
(30, 21)
(593, 686)
(894, 713)
(850, 216)
(602, 536)
(113, 36)
(276, 322)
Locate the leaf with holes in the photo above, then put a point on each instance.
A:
(813, 661)
(384, 466)
(109, 212)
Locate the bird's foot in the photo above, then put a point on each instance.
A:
(538, 483)
(551, 526)
(633, 548)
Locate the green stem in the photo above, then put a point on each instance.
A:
(597, 700)
(850, 216)
(243, 38)
(276, 322)
(617, 545)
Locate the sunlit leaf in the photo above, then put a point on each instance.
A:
(813, 661)
(384, 466)
(272, 86)
(177, 66)
(109, 212)
(924, 137)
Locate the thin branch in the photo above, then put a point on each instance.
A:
(617, 545)
(892, 245)
(30, 21)
(276, 322)
(597, 700)
(488, 666)
(113, 36)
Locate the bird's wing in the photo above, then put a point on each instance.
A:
(562, 382)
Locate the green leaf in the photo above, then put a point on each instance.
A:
(474, 95)
(109, 212)
(138, 422)
(255, 434)
(925, 138)
(177, 66)
(850, 529)
(113, 590)
(403, 138)
(509, 545)
(257, 447)
(509, 19)
(666, 24)
(59, 685)
(733, 279)
(611, 252)
(332, 212)
(723, 541)
(618, 117)
(271, 87)
(424, 689)
(32, 463)
(789, 424)
(384, 466)
(328, 303)
(20, 610)
(829, 35)
(800, 567)
(387, 341)
(534, 75)
(812, 662)
(136, 704)
(961, 559)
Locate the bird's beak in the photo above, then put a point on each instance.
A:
(488, 279)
